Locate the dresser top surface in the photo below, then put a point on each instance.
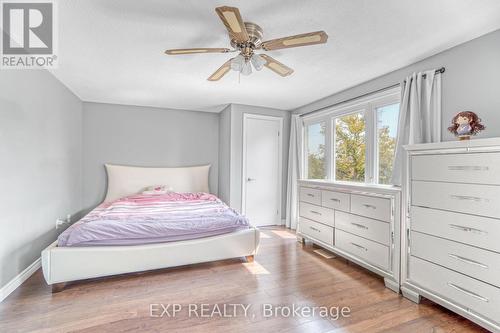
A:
(348, 186)
(472, 143)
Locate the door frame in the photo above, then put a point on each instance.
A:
(280, 161)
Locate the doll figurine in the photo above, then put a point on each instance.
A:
(465, 124)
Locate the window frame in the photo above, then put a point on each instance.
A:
(368, 106)
(305, 151)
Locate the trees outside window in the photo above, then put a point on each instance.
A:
(387, 126)
(358, 145)
(315, 139)
(350, 148)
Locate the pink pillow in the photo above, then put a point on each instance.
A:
(157, 189)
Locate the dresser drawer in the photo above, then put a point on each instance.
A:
(371, 252)
(316, 231)
(317, 213)
(477, 263)
(464, 198)
(310, 195)
(479, 168)
(479, 231)
(473, 295)
(375, 230)
(335, 200)
(374, 207)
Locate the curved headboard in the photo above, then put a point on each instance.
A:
(128, 180)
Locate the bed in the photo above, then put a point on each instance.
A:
(132, 232)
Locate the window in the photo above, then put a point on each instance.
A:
(353, 142)
(350, 147)
(387, 126)
(315, 151)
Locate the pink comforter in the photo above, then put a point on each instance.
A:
(144, 219)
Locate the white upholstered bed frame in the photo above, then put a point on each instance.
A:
(64, 264)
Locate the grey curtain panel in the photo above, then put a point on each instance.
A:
(294, 172)
(419, 115)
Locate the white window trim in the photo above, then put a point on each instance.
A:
(366, 104)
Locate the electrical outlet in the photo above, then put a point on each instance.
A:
(59, 223)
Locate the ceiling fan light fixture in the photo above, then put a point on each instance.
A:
(247, 68)
(246, 38)
(257, 61)
(237, 63)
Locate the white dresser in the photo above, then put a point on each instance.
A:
(451, 243)
(358, 222)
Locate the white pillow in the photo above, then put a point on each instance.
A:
(157, 189)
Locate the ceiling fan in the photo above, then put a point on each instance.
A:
(246, 38)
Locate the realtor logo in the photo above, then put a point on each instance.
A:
(28, 34)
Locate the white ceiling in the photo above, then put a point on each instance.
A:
(112, 51)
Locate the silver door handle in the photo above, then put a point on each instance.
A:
(467, 292)
(359, 246)
(250, 179)
(468, 168)
(335, 199)
(370, 206)
(467, 261)
(310, 195)
(359, 225)
(466, 197)
(315, 212)
(467, 229)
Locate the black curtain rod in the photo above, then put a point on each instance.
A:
(438, 71)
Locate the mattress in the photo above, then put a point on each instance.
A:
(154, 218)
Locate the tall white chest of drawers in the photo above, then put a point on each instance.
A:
(360, 223)
(451, 239)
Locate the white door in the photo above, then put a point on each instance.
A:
(262, 169)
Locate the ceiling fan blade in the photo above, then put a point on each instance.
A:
(311, 38)
(197, 50)
(276, 66)
(223, 70)
(231, 18)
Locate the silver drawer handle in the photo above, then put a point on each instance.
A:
(370, 206)
(467, 229)
(310, 195)
(466, 197)
(313, 228)
(315, 212)
(359, 225)
(335, 199)
(359, 246)
(470, 293)
(468, 261)
(468, 168)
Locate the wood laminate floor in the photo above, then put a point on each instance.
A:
(283, 273)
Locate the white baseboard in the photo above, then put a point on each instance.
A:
(19, 279)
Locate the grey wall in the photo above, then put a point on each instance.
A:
(469, 83)
(40, 164)
(237, 112)
(144, 136)
(225, 154)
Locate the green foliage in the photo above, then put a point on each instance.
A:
(387, 145)
(350, 148)
(316, 161)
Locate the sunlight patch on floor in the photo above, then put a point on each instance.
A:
(284, 234)
(264, 235)
(255, 268)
